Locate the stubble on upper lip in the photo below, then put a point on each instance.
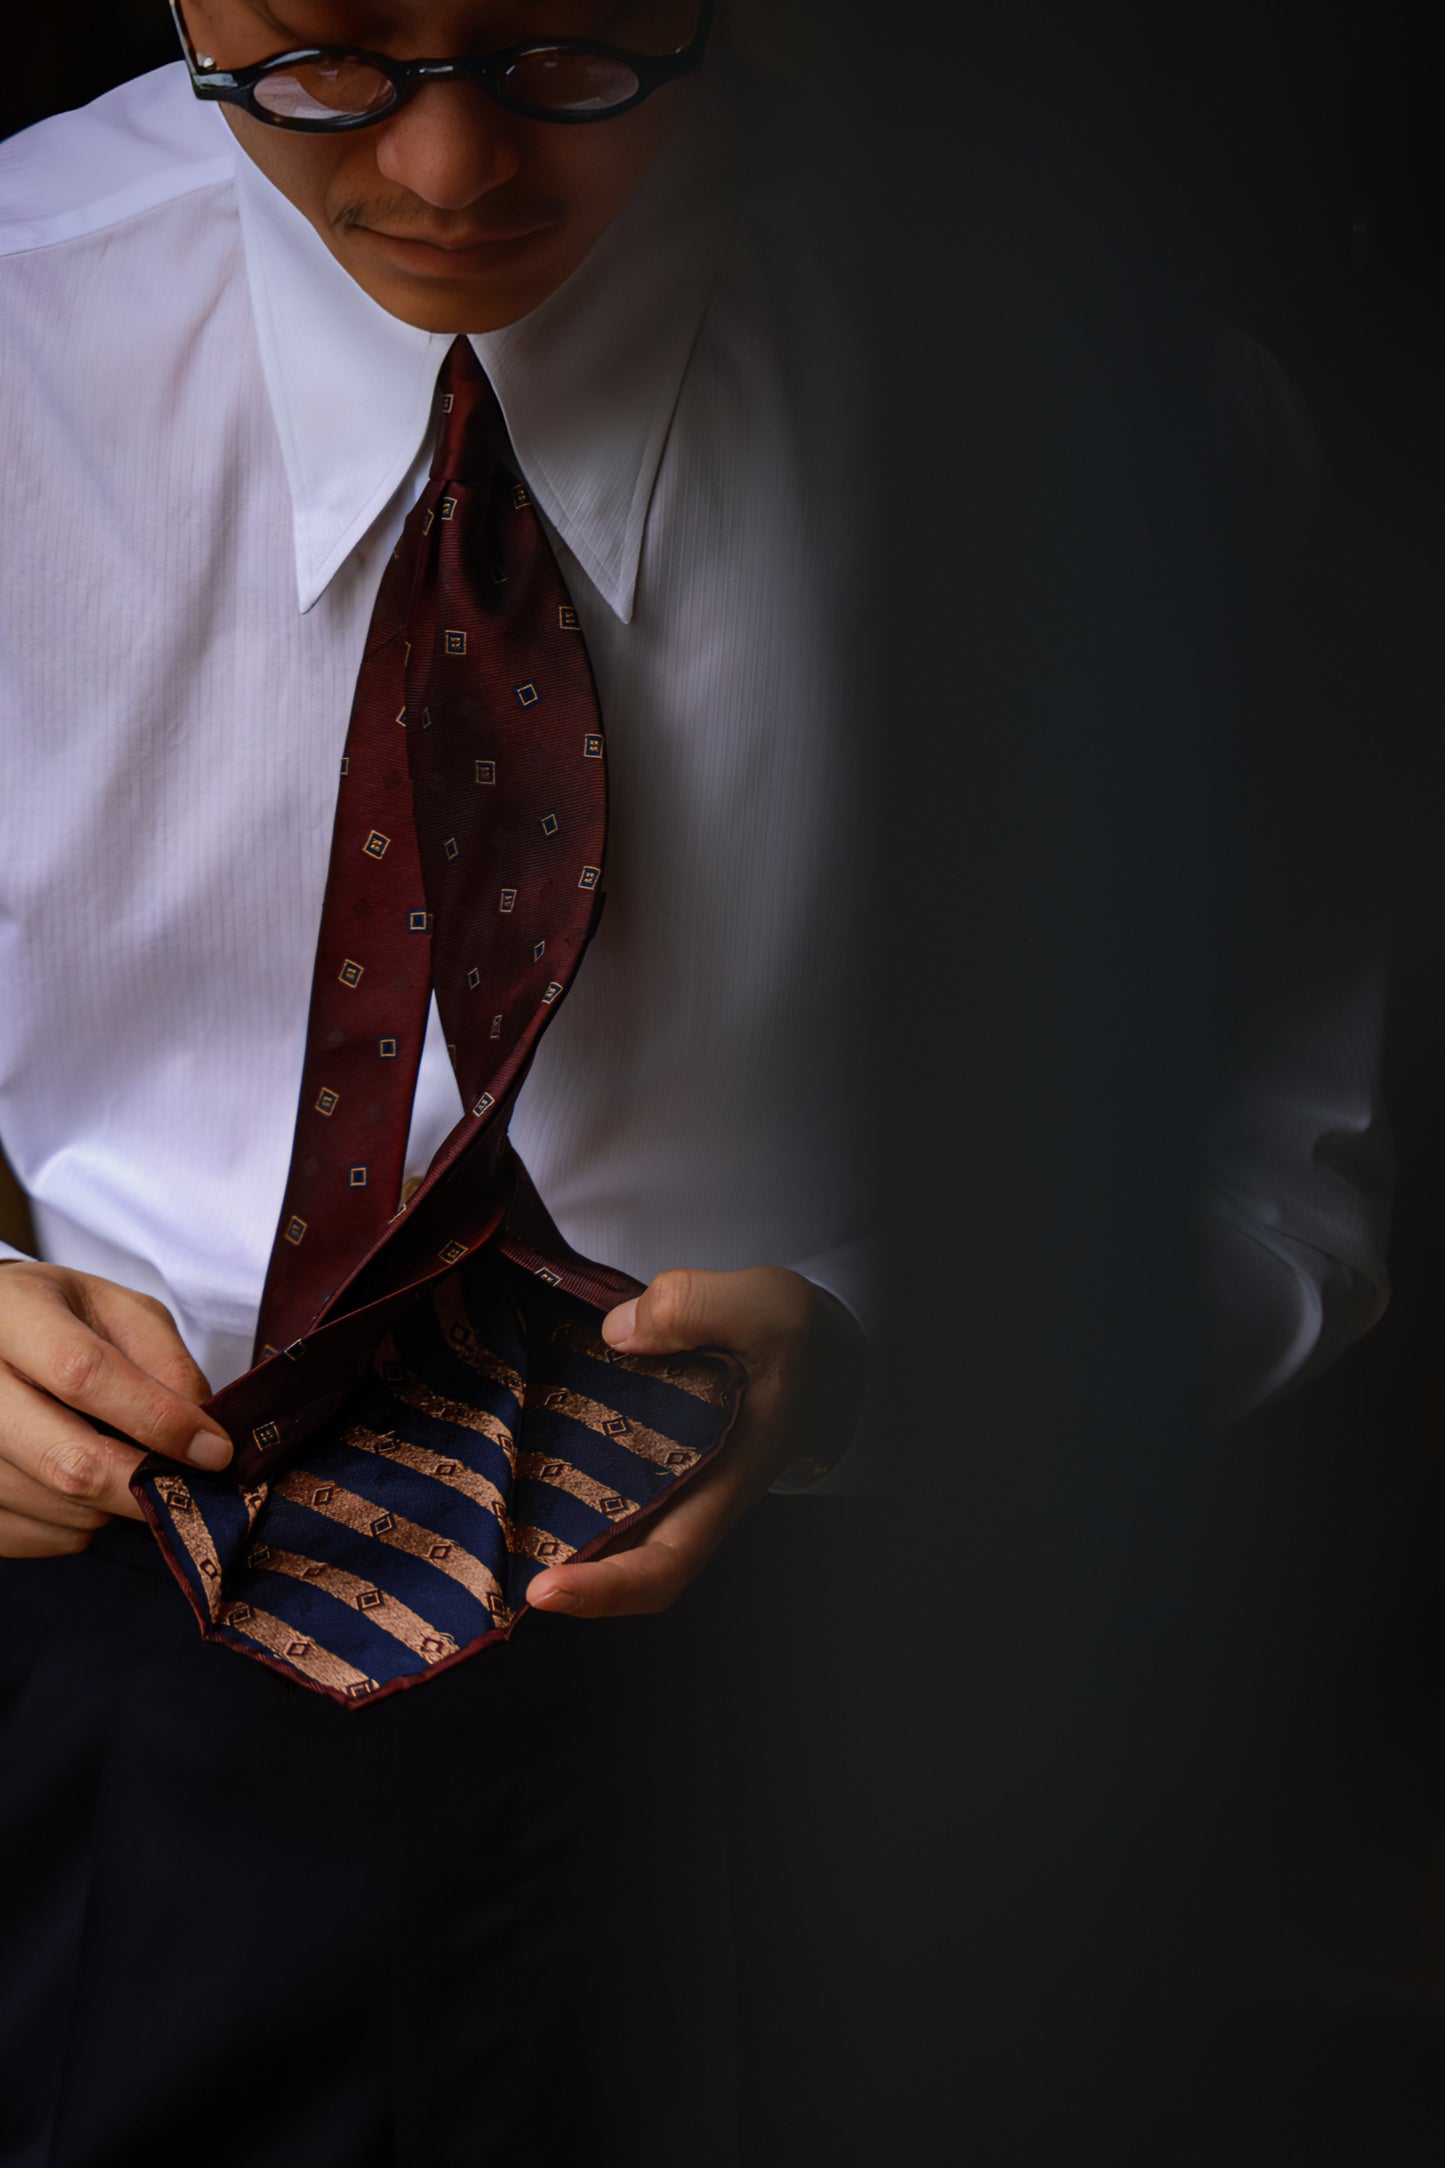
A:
(354, 218)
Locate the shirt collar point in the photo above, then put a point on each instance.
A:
(613, 575)
(623, 602)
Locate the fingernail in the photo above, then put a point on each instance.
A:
(558, 1599)
(206, 1450)
(620, 1324)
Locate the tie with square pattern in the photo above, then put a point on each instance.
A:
(467, 850)
(432, 1415)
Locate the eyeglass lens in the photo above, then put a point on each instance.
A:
(546, 79)
(557, 82)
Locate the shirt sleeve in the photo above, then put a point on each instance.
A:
(848, 1274)
(1298, 1176)
(1296, 1203)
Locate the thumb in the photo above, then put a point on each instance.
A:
(747, 1312)
(676, 1312)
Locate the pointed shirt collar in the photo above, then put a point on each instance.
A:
(588, 382)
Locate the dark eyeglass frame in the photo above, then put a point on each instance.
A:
(407, 77)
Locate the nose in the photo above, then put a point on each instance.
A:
(450, 145)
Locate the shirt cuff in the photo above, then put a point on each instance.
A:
(1279, 1311)
(847, 1274)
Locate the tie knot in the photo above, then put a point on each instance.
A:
(473, 434)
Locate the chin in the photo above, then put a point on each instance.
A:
(479, 300)
(458, 308)
(477, 289)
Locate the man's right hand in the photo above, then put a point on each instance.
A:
(77, 1351)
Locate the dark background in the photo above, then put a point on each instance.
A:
(1087, 1781)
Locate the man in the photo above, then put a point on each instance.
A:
(224, 336)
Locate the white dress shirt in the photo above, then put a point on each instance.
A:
(211, 439)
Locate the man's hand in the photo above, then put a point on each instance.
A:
(77, 1351)
(805, 1359)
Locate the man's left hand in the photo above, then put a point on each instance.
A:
(805, 1358)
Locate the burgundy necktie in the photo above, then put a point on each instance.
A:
(467, 851)
(466, 857)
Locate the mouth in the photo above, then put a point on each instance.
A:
(452, 258)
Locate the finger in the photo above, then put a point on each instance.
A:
(658, 1563)
(685, 1309)
(60, 1451)
(648, 1578)
(45, 1343)
(20, 1493)
(22, 1538)
(144, 1331)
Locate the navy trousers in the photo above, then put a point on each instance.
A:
(481, 1923)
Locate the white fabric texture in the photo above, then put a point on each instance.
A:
(211, 438)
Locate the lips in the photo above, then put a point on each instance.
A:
(453, 247)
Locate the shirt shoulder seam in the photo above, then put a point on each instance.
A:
(28, 237)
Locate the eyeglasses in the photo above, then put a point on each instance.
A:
(324, 89)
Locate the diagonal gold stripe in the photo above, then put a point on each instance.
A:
(349, 1511)
(699, 1379)
(283, 1640)
(375, 1605)
(648, 1444)
(414, 1392)
(546, 1468)
(186, 1523)
(541, 1467)
(534, 1542)
(426, 1462)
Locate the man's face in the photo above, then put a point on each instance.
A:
(453, 214)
